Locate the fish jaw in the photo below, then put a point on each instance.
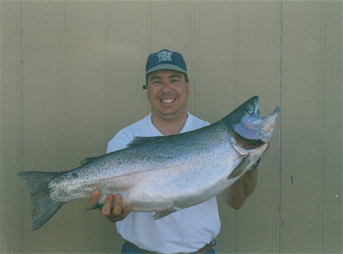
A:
(252, 131)
(267, 125)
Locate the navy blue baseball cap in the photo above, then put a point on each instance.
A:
(165, 60)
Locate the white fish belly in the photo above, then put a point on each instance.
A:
(178, 186)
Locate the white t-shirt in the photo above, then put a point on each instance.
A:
(186, 230)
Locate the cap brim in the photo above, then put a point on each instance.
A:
(166, 67)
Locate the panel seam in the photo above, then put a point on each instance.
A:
(279, 139)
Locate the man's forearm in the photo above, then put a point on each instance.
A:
(237, 193)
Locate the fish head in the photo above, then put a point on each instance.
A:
(248, 128)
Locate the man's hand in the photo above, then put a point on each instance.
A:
(112, 208)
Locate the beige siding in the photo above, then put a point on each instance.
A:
(71, 77)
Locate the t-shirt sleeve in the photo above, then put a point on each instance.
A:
(120, 141)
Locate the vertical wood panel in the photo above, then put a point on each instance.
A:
(214, 88)
(85, 95)
(215, 59)
(258, 74)
(302, 126)
(10, 127)
(332, 164)
(172, 27)
(129, 39)
(129, 45)
(42, 79)
(86, 77)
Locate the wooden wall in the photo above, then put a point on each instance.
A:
(71, 77)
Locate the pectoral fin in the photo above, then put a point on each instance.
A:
(161, 214)
(240, 169)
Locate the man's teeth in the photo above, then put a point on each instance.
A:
(167, 100)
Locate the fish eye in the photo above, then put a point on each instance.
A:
(250, 110)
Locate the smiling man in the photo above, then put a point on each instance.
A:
(167, 91)
(190, 230)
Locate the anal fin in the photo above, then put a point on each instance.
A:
(96, 206)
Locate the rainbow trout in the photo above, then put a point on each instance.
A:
(161, 174)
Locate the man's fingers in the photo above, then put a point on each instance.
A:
(106, 208)
(127, 209)
(117, 209)
(112, 207)
(94, 197)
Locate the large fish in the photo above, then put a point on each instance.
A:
(161, 174)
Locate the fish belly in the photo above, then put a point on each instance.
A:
(177, 186)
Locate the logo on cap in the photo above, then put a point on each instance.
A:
(164, 56)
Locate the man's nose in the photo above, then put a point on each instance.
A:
(166, 86)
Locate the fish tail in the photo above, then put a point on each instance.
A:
(42, 206)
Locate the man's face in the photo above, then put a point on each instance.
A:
(167, 91)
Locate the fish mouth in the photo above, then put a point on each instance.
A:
(247, 144)
(269, 121)
(268, 124)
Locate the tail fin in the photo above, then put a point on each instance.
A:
(42, 206)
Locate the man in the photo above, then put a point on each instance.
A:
(189, 230)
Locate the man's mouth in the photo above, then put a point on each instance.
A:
(167, 100)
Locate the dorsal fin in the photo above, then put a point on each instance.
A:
(144, 140)
(88, 160)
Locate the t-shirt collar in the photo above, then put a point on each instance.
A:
(156, 132)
